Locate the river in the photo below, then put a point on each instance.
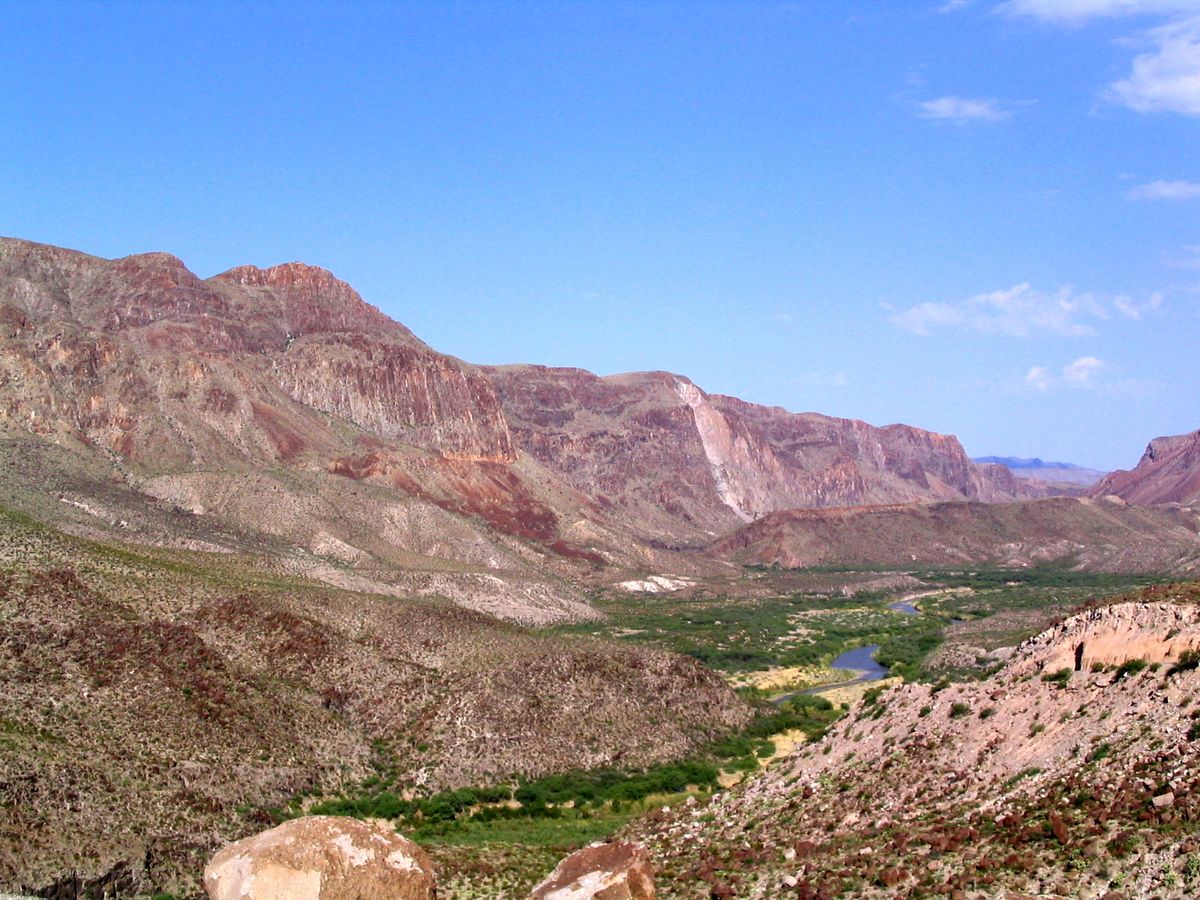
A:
(856, 659)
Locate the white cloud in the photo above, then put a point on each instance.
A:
(953, 6)
(1133, 309)
(1166, 79)
(1020, 311)
(1166, 190)
(1079, 11)
(963, 109)
(1038, 378)
(1081, 372)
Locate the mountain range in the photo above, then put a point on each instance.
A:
(280, 407)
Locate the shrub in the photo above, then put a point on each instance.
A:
(958, 710)
(1130, 667)
(1061, 677)
(987, 712)
(1188, 660)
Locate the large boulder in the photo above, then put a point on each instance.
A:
(617, 871)
(321, 858)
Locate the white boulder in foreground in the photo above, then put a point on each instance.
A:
(617, 871)
(321, 858)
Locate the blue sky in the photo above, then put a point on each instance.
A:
(980, 218)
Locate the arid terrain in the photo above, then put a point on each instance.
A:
(155, 703)
(264, 553)
(1072, 772)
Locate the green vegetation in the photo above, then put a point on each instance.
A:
(1188, 660)
(571, 807)
(737, 635)
(1022, 775)
(811, 628)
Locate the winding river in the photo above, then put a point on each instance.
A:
(860, 660)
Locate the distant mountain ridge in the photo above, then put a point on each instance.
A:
(1049, 472)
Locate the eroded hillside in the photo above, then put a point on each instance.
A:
(1168, 472)
(153, 704)
(1099, 535)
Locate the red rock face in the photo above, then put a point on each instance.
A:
(1168, 472)
(682, 465)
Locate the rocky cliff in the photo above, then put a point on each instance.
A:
(686, 466)
(1168, 472)
(276, 401)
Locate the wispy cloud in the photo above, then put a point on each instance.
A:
(963, 109)
(1165, 190)
(1076, 12)
(1038, 378)
(1019, 311)
(1166, 79)
(1137, 309)
(1188, 258)
(953, 6)
(1082, 372)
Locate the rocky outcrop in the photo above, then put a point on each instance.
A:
(617, 871)
(285, 381)
(1098, 535)
(1110, 636)
(322, 858)
(1168, 472)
